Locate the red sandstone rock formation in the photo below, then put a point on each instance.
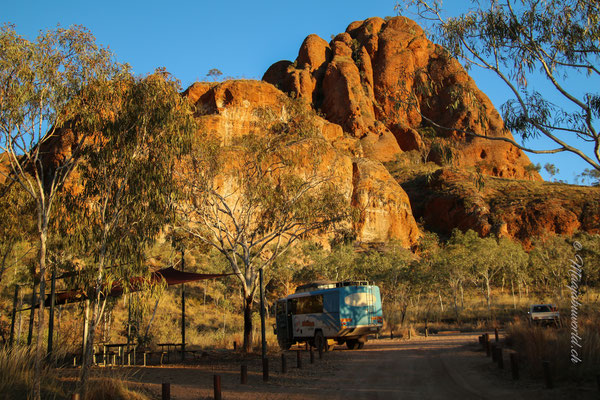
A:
(359, 78)
(227, 110)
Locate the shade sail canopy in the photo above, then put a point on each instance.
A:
(169, 275)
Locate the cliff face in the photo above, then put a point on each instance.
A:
(227, 110)
(360, 80)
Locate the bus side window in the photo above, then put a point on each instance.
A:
(292, 306)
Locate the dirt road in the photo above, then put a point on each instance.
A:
(438, 367)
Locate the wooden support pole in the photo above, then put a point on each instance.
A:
(166, 391)
(51, 315)
(514, 366)
(32, 312)
(265, 363)
(217, 386)
(14, 316)
(244, 375)
(547, 374)
(182, 308)
(298, 359)
(263, 330)
(283, 364)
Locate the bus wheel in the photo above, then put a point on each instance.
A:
(284, 345)
(361, 341)
(352, 344)
(320, 341)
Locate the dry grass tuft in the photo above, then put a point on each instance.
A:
(536, 343)
(17, 371)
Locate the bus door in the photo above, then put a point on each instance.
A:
(370, 304)
(283, 321)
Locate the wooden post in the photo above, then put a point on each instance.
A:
(32, 313)
(234, 345)
(409, 333)
(321, 350)
(298, 359)
(391, 333)
(486, 341)
(283, 364)
(182, 308)
(217, 386)
(51, 314)
(494, 353)
(547, 374)
(500, 357)
(244, 375)
(265, 362)
(312, 355)
(145, 354)
(514, 365)
(166, 391)
(496, 334)
(14, 316)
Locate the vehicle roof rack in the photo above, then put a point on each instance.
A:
(320, 285)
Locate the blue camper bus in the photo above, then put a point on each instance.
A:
(321, 312)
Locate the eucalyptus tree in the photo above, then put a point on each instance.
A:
(252, 198)
(523, 43)
(124, 186)
(51, 96)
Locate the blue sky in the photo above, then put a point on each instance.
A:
(242, 39)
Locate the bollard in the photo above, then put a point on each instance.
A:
(500, 357)
(486, 341)
(265, 369)
(547, 374)
(312, 356)
(75, 396)
(234, 345)
(321, 351)
(392, 335)
(244, 375)
(283, 364)
(496, 334)
(426, 332)
(75, 361)
(298, 359)
(494, 354)
(145, 354)
(217, 386)
(166, 391)
(514, 366)
(409, 333)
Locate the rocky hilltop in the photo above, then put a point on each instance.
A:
(359, 81)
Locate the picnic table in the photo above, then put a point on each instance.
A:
(170, 347)
(120, 350)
